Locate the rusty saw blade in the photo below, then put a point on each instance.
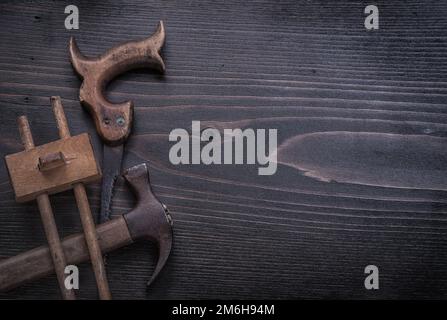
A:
(112, 160)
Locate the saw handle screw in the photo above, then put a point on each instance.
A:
(120, 121)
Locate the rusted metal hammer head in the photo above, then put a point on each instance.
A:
(150, 218)
(113, 120)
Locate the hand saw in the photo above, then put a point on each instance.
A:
(113, 121)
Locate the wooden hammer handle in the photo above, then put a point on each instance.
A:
(37, 263)
(47, 217)
(88, 224)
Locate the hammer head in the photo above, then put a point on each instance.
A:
(150, 218)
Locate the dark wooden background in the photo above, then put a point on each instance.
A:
(362, 128)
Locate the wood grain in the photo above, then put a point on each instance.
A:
(350, 100)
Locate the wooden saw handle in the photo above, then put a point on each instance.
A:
(114, 120)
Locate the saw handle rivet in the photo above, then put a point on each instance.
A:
(120, 121)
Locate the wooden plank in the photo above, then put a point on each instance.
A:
(307, 68)
(29, 180)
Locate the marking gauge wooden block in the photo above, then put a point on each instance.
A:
(53, 167)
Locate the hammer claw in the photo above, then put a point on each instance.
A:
(149, 219)
(164, 249)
